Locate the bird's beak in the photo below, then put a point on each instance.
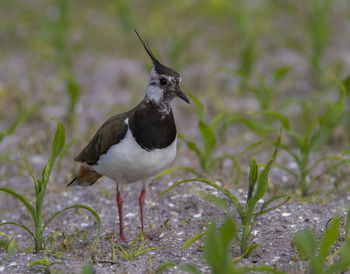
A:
(180, 94)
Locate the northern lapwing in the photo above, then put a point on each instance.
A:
(136, 145)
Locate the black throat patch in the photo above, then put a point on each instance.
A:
(151, 128)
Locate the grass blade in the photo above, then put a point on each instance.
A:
(233, 198)
(264, 206)
(344, 262)
(93, 212)
(22, 199)
(57, 146)
(25, 228)
(329, 239)
(347, 224)
(253, 176)
(193, 239)
(31, 172)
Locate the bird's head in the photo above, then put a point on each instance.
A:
(164, 83)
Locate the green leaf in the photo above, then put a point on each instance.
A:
(57, 146)
(284, 120)
(208, 134)
(328, 121)
(31, 172)
(22, 199)
(264, 208)
(212, 252)
(220, 203)
(253, 176)
(164, 266)
(254, 125)
(306, 242)
(347, 224)
(250, 147)
(193, 239)
(74, 90)
(171, 170)
(198, 104)
(227, 232)
(329, 239)
(217, 247)
(25, 228)
(263, 178)
(343, 263)
(226, 192)
(93, 212)
(216, 120)
(9, 244)
(280, 73)
(24, 115)
(191, 146)
(346, 83)
(190, 268)
(250, 249)
(44, 262)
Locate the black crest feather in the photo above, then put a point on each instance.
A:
(158, 66)
(148, 50)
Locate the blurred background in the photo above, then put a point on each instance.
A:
(80, 61)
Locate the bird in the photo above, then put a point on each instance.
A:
(135, 145)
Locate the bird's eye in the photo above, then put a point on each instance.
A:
(163, 81)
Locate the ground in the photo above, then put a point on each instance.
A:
(228, 56)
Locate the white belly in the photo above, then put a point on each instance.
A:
(127, 162)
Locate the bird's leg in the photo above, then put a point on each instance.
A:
(121, 220)
(142, 203)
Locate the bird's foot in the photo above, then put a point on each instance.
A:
(122, 238)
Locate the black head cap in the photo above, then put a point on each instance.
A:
(159, 67)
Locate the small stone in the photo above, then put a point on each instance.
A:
(276, 258)
(2, 268)
(130, 215)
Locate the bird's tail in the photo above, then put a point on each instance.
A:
(86, 177)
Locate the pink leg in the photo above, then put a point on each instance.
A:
(121, 219)
(142, 203)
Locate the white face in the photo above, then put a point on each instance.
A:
(161, 88)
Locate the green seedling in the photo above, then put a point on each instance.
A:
(316, 135)
(323, 256)
(248, 212)
(40, 186)
(211, 133)
(179, 45)
(242, 16)
(43, 264)
(318, 27)
(25, 113)
(135, 249)
(347, 225)
(59, 30)
(8, 243)
(88, 269)
(265, 90)
(217, 253)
